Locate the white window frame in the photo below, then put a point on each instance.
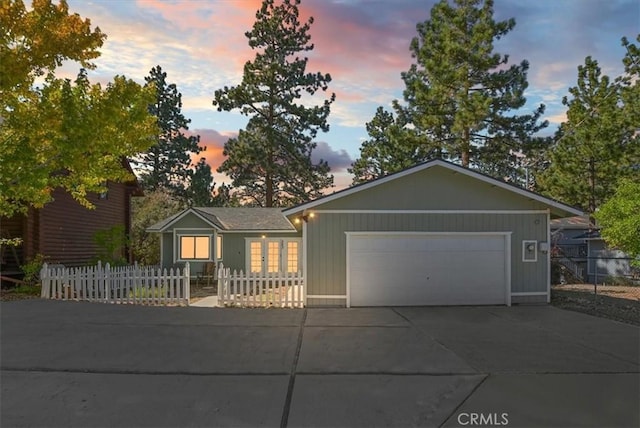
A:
(283, 253)
(525, 252)
(219, 244)
(179, 237)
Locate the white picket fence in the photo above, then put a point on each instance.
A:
(142, 285)
(257, 290)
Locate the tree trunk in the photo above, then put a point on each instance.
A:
(592, 187)
(268, 198)
(465, 148)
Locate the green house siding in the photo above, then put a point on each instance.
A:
(233, 244)
(190, 224)
(326, 244)
(167, 249)
(436, 188)
(234, 247)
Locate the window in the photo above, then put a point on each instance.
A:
(292, 256)
(195, 247)
(219, 247)
(256, 256)
(273, 256)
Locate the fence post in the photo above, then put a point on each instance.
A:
(45, 291)
(107, 282)
(187, 282)
(220, 285)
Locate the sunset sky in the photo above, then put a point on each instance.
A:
(363, 44)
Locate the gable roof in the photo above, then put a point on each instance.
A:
(232, 219)
(577, 222)
(558, 208)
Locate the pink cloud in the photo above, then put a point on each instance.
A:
(213, 141)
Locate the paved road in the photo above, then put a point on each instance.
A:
(73, 364)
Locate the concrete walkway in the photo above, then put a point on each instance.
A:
(205, 302)
(74, 364)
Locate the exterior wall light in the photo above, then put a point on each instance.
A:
(306, 217)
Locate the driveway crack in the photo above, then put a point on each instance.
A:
(292, 375)
(424, 333)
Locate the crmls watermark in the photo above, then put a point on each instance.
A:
(486, 419)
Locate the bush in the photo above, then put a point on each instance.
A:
(32, 269)
(620, 280)
(148, 293)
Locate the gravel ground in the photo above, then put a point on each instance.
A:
(624, 307)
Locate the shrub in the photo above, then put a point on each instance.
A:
(148, 293)
(32, 268)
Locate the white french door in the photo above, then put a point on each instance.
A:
(266, 255)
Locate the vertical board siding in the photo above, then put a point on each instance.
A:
(66, 228)
(326, 256)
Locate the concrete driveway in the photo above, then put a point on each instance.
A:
(81, 364)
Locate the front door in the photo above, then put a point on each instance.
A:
(273, 255)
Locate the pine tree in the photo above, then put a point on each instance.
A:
(201, 187)
(270, 161)
(630, 89)
(391, 148)
(595, 147)
(167, 164)
(460, 95)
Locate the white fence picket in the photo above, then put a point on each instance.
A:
(125, 284)
(254, 289)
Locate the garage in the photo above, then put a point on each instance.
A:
(414, 269)
(433, 234)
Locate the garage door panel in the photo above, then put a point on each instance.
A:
(401, 270)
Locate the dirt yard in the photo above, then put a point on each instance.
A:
(618, 303)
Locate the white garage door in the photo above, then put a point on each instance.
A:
(411, 269)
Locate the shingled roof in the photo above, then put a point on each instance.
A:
(233, 219)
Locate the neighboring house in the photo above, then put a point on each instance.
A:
(434, 234)
(63, 230)
(577, 245)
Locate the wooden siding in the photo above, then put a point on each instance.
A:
(326, 244)
(66, 228)
(63, 230)
(166, 257)
(233, 244)
(191, 221)
(435, 188)
(234, 247)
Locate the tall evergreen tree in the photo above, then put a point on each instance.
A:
(595, 147)
(201, 186)
(270, 161)
(630, 88)
(167, 164)
(460, 95)
(390, 148)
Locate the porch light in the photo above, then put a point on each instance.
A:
(306, 217)
(264, 236)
